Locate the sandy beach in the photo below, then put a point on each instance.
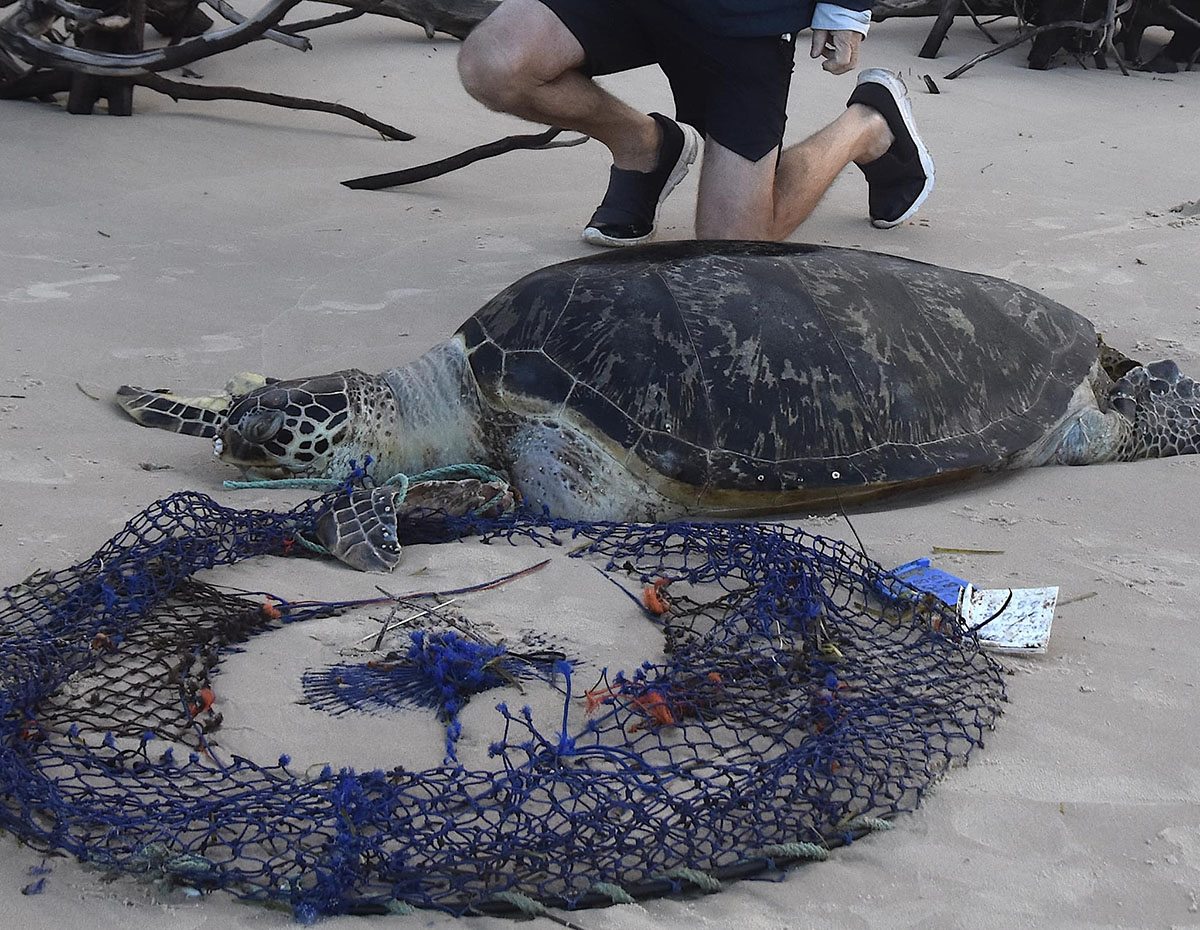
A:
(195, 240)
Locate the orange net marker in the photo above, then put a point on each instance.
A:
(654, 597)
(203, 701)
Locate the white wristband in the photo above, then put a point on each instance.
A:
(834, 18)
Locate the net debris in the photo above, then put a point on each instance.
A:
(792, 709)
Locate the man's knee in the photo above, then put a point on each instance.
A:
(738, 225)
(736, 199)
(519, 47)
(489, 73)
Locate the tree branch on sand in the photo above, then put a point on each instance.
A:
(50, 46)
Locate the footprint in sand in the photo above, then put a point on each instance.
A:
(55, 290)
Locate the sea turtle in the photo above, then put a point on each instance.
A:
(717, 378)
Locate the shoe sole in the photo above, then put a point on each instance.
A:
(687, 155)
(899, 91)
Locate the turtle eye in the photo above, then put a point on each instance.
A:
(261, 425)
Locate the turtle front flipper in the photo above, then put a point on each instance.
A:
(359, 528)
(362, 528)
(191, 416)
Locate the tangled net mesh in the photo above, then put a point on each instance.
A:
(801, 699)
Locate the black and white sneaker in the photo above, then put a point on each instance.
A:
(629, 211)
(899, 180)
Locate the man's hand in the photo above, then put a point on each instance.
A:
(839, 49)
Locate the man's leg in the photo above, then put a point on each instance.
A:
(522, 60)
(769, 198)
(525, 60)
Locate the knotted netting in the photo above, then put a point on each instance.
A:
(799, 700)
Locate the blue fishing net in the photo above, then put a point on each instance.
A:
(439, 671)
(797, 703)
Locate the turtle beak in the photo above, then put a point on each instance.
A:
(244, 439)
(240, 448)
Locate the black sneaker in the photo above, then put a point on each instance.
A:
(899, 180)
(629, 211)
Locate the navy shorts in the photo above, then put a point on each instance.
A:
(732, 89)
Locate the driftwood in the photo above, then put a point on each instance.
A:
(292, 29)
(452, 17)
(541, 140)
(22, 36)
(42, 84)
(1191, 21)
(107, 57)
(946, 11)
(885, 9)
(1105, 25)
(180, 90)
(300, 43)
(118, 29)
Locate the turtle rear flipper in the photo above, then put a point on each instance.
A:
(1164, 407)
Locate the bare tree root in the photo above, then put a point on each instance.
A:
(452, 17)
(1105, 24)
(541, 140)
(21, 36)
(180, 90)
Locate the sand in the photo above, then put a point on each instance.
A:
(196, 240)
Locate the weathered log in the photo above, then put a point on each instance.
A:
(22, 49)
(1019, 40)
(453, 17)
(12, 69)
(18, 40)
(541, 140)
(177, 19)
(1182, 16)
(120, 32)
(946, 12)
(104, 63)
(38, 85)
(300, 43)
(81, 14)
(885, 9)
(945, 19)
(181, 90)
(1095, 26)
(106, 59)
(293, 29)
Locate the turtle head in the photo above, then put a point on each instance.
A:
(289, 428)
